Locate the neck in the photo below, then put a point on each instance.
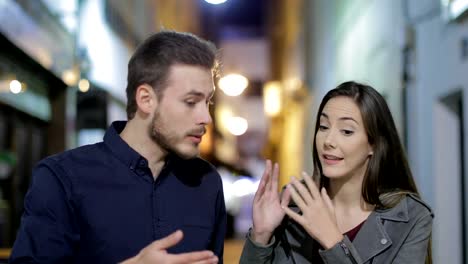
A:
(350, 207)
(135, 134)
(346, 194)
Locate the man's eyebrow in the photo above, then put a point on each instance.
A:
(199, 94)
(195, 93)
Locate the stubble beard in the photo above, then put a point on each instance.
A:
(162, 137)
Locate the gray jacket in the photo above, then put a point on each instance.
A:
(397, 235)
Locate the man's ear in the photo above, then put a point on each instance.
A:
(146, 98)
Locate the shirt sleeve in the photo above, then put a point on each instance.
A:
(220, 226)
(47, 232)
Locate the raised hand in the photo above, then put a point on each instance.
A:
(318, 213)
(156, 253)
(267, 211)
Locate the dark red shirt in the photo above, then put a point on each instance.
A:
(351, 234)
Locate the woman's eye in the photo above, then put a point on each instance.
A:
(190, 103)
(322, 127)
(347, 132)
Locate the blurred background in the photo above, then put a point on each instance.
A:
(63, 76)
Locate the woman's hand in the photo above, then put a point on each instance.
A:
(318, 213)
(267, 211)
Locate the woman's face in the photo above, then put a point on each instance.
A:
(341, 140)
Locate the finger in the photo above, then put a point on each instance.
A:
(311, 185)
(168, 241)
(295, 216)
(212, 260)
(264, 181)
(302, 190)
(267, 174)
(193, 257)
(327, 201)
(296, 197)
(275, 176)
(285, 198)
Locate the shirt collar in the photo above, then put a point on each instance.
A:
(124, 152)
(398, 213)
(120, 148)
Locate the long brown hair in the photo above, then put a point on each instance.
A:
(388, 177)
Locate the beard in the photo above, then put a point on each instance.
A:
(163, 137)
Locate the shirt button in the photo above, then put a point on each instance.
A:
(383, 241)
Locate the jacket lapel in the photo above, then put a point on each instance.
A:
(373, 238)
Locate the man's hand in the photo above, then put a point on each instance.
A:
(156, 253)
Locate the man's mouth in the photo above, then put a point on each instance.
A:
(196, 135)
(195, 138)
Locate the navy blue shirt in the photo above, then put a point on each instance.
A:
(100, 204)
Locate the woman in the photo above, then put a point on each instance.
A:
(360, 206)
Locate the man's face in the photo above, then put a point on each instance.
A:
(179, 121)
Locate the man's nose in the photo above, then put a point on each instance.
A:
(205, 116)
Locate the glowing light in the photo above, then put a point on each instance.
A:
(458, 7)
(233, 84)
(15, 87)
(215, 2)
(244, 186)
(83, 85)
(237, 125)
(272, 98)
(70, 77)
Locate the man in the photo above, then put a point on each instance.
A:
(108, 202)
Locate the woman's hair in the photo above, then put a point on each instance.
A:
(388, 177)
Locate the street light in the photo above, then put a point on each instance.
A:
(215, 2)
(233, 84)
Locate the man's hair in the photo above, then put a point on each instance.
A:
(152, 60)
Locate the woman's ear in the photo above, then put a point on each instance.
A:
(146, 99)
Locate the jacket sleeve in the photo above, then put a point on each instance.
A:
(342, 253)
(47, 233)
(220, 226)
(254, 253)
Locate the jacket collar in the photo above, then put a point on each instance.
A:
(372, 238)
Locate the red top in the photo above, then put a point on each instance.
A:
(353, 232)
